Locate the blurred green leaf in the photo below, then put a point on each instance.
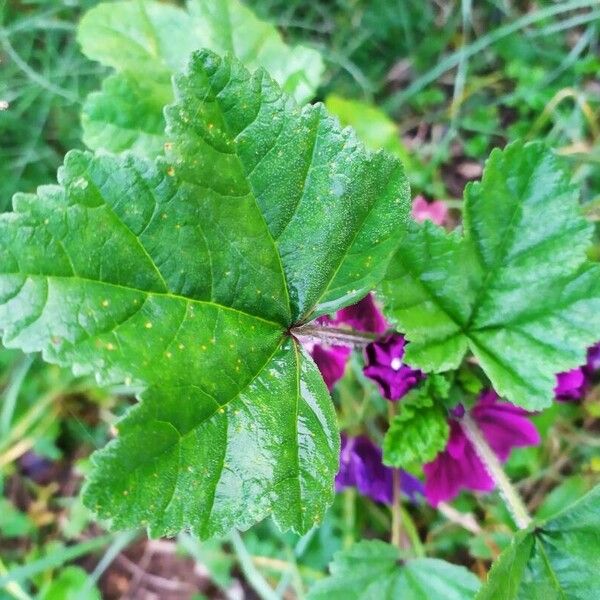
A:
(147, 42)
(374, 569)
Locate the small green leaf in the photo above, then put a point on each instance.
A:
(137, 39)
(374, 569)
(184, 277)
(415, 435)
(515, 288)
(558, 559)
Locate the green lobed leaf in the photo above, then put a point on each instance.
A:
(184, 276)
(515, 288)
(558, 559)
(127, 114)
(375, 570)
(415, 435)
(147, 42)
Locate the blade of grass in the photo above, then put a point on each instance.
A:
(453, 60)
(252, 574)
(56, 559)
(12, 392)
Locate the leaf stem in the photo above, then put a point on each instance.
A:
(349, 517)
(492, 465)
(412, 532)
(336, 336)
(396, 533)
(253, 576)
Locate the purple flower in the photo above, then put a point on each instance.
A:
(570, 385)
(385, 366)
(362, 316)
(361, 466)
(36, 467)
(503, 425)
(434, 211)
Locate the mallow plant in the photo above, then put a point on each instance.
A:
(229, 272)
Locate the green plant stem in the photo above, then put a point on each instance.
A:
(12, 392)
(334, 335)
(56, 559)
(349, 516)
(411, 531)
(121, 541)
(253, 576)
(496, 472)
(13, 588)
(396, 534)
(19, 429)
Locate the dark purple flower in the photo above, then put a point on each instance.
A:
(36, 467)
(570, 385)
(385, 366)
(362, 316)
(331, 362)
(593, 360)
(361, 466)
(503, 425)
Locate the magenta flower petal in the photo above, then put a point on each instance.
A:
(384, 366)
(363, 316)
(448, 473)
(331, 362)
(503, 425)
(361, 466)
(570, 385)
(434, 211)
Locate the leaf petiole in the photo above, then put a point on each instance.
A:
(334, 336)
(492, 465)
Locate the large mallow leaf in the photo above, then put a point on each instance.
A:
(184, 277)
(515, 287)
(374, 570)
(146, 42)
(555, 560)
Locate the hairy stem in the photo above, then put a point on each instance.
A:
(336, 336)
(496, 472)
